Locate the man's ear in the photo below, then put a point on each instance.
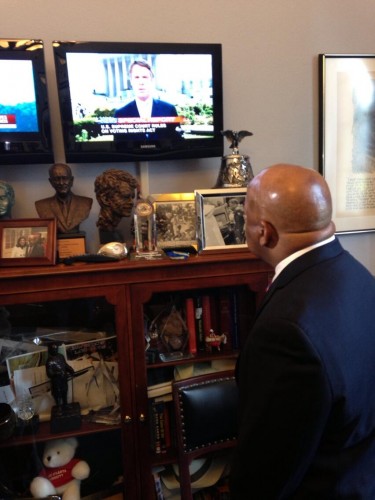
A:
(105, 199)
(268, 235)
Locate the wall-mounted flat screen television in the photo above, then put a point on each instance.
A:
(24, 116)
(127, 101)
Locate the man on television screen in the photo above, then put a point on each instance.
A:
(146, 106)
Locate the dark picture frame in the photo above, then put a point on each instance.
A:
(175, 219)
(347, 138)
(220, 227)
(40, 238)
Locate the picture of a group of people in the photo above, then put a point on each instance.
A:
(224, 221)
(175, 223)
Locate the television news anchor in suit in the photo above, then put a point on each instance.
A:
(146, 106)
(306, 373)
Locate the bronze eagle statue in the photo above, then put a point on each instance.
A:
(235, 137)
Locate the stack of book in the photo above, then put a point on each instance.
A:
(160, 408)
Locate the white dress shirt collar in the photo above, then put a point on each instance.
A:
(285, 262)
(144, 107)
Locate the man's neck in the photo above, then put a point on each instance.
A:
(65, 198)
(285, 262)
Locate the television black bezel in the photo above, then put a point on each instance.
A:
(19, 148)
(88, 152)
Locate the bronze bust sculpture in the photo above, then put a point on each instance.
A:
(115, 191)
(67, 208)
(7, 200)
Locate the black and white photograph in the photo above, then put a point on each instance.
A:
(175, 219)
(221, 218)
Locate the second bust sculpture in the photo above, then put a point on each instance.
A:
(115, 191)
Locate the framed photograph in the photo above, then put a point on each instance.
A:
(220, 219)
(175, 217)
(347, 138)
(27, 242)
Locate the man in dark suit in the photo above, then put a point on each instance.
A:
(145, 106)
(307, 370)
(34, 246)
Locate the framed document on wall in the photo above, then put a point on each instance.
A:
(347, 138)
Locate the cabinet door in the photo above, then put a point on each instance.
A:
(164, 351)
(90, 328)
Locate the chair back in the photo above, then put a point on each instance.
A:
(206, 410)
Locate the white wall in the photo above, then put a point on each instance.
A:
(270, 69)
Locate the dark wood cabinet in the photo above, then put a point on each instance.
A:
(113, 297)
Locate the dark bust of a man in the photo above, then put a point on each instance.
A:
(67, 208)
(115, 191)
(7, 199)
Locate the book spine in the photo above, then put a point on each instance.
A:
(234, 316)
(154, 428)
(190, 322)
(167, 425)
(199, 323)
(160, 411)
(160, 422)
(206, 313)
(214, 312)
(225, 317)
(158, 486)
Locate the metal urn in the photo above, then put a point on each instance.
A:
(235, 170)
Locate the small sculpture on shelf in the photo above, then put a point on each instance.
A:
(67, 208)
(235, 170)
(170, 334)
(58, 371)
(213, 341)
(64, 416)
(115, 192)
(7, 199)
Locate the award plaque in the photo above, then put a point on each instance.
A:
(235, 170)
(145, 229)
(69, 244)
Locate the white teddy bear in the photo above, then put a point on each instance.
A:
(62, 473)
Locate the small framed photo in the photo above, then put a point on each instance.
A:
(27, 242)
(175, 217)
(347, 138)
(221, 219)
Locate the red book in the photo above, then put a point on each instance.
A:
(190, 323)
(206, 313)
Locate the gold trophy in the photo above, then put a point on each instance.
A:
(145, 230)
(235, 170)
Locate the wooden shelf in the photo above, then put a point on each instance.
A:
(43, 434)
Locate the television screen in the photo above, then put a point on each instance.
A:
(123, 101)
(18, 111)
(24, 118)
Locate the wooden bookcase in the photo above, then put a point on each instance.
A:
(115, 296)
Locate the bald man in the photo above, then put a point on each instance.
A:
(306, 373)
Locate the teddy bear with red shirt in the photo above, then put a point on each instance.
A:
(62, 473)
